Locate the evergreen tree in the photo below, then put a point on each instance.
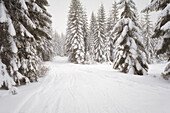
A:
(63, 37)
(19, 52)
(43, 31)
(86, 38)
(112, 20)
(10, 56)
(107, 49)
(8, 49)
(129, 51)
(75, 44)
(147, 33)
(162, 29)
(56, 43)
(33, 25)
(99, 42)
(92, 35)
(113, 17)
(59, 44)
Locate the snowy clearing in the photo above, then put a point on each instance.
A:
(71, 88)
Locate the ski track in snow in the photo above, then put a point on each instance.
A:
(71, 88)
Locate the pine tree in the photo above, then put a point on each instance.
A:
(56, 43)
(99, 43)
(19, 54)
(92, 35)
(113, 17)
(59, 44)
(63, 37)
(8, 48)
(10, 55)
(28, 43)
(129, 51)
(147, 33)
(86, 38)
(162, 29)
(75, 44)
(43, 31)
(112, 20)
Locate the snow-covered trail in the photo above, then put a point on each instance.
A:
(71, 88)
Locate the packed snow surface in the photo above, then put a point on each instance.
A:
(97, 88)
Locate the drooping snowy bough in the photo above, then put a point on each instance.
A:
(162, 29)
(129, 53)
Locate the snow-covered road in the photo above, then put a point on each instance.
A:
(71, 88)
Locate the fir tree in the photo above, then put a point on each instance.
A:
(86, 38)
(99, 43)
(75, 44)
(147, 33)
(92, 35)
(43, 31)
(113, 17)
(59, 44)
(162, 29)
(112, 20)
(56, 43)
(10, 56)
(19, 52)
(8, 49)
(129, 51)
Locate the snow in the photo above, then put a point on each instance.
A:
(23, 5)
(37, 8)
(97, 88)
(3, 16)
(25, 31)
(124, 32)
(4, 76)
(166, 26)
(11, 28)
(165, 11)
(29, 21)
(13, 45)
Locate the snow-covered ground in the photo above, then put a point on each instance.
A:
(71, 88)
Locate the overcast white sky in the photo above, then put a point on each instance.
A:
(59, 10)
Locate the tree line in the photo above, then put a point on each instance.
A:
(124, 39)
(26, 38)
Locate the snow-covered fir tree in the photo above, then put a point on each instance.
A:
(43, 31)
(113, 17)
(8, 49)
(107, 49)
(59, 44)
(86, 39)
(5, 79)
(129, 51)
(63, 49)
(92, 35)
(19, 54)
(75, 45)
(112, 20)
(147, 32)
(162, 29)
(34, 25)
(99, 42)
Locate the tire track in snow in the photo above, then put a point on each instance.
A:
(71, 88)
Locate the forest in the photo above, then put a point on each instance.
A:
(122, 42)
